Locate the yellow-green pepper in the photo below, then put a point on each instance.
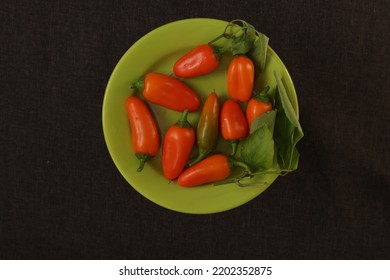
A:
(207, 129)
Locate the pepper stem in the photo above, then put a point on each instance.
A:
(218, 51)
(234, 144)
(241, 164)
(139, 84)
(183, 122)
(223, 35)
(142, 160)
(202, 153)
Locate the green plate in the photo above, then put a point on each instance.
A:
(157, 51)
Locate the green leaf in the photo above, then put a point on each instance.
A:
(258, 53)
(288, 130)
(286, 103)
(267, 119)
(257, 150)
(263, 96)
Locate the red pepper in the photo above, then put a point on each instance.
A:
(178, 143)
(145, 135)
(258, 105)
(240, 78)
(213, 168)
(233, 123)
(168, 92)
(199, 61)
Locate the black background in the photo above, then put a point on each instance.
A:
(61, 196)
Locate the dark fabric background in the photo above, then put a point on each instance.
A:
(61, 196)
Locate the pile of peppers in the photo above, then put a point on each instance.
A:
(227, 119)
